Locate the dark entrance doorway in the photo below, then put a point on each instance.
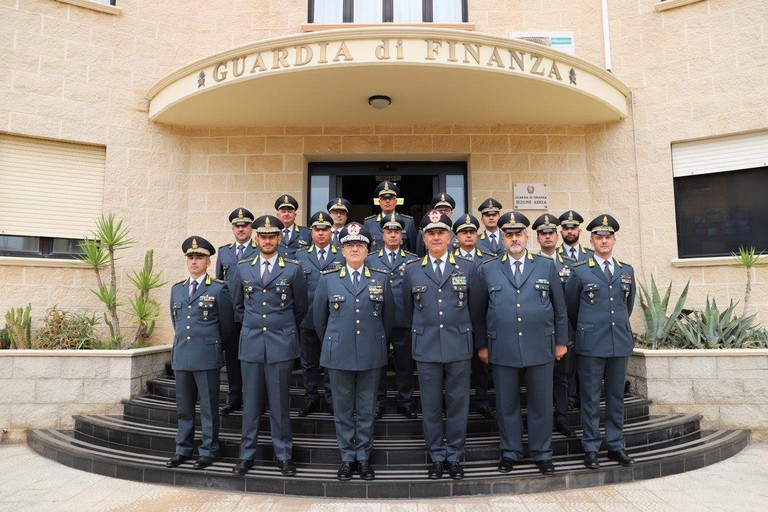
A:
(356, 181)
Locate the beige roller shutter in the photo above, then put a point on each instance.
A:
(49, 188)
(720, 154)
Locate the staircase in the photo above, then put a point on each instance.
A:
(136, 444)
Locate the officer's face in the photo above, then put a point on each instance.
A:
(392, 238)
(339, 218)
(355, 253)
(436, 241)
(603, 245)
(287, 215)
(490, 220)
(267, 244)
(321, 237)
(515, 242)
(547, 241)
(571, 234)
(242, 232)
(197, 264)
(445, 210)
(387, 203)
(467, 239)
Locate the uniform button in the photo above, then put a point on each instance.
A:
(358, 332)
(441, 312)
(518, 305)
(357, 321)
(188, 317)
(439, 300)
(263, 328)
(520, 334)
(357, 300)
(188, 327)
(263, 316)
(264, 291)
(611, 298)
(610, 286)
(357, 311)
(518, 291)
(263, 303)
(613, 323)
(189, 307)
(189, 337)
(519, 319)
(441, 326)
(611, 311)
(439, 289)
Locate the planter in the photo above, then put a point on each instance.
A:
(729, 388)
(44, 388)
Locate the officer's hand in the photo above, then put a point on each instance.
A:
(560, 351)
(482, 354)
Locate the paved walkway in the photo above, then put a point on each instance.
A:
(29, 482)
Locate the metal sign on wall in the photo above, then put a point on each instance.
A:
(531, 196)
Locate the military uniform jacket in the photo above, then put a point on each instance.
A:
(484, 243)
(270, 313)
(563, 266)
(300, 237)
(584, 252)
(310, 267)
(524, 322)
(600, 309)
(201, 324)
(421, 247)
(478, 258)
(448, 316)
(354, 325)
(371, 223)
(381, 260)
(226, 260)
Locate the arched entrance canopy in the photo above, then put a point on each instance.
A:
(433, 76)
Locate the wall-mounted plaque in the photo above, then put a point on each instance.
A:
(531, 196)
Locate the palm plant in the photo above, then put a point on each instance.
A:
(748, 258)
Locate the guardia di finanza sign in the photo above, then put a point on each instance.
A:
(445, 52)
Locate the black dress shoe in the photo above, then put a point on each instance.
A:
(506, 465)
(379, 412)
(406, 411)
(228, 409)
(309, 408)
(621, 457)
(564, 428)
(366, 470)
(176, 460)
(203, 462)
(545, 466)
(286, 467)
(435, 471)
(242, 466)
(590, 460)
(345, 472)
(572, 404)
(486, 412)
(455, 470)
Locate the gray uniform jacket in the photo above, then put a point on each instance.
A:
(600, 310)
(300, 237)
(524, 322)
(354, 325)
(371, 223)
(380, 260)
(201, 322)
(270, 313)
(484, 243)
(479, 257)
(584, 252)
(226, 260)
(447, 317)
(310, 267)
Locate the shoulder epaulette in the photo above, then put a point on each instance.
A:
(369, 217)
(459, 256)
(579, 263)
(412, 261)
(409, 253)
(331, 270)
(220, 281)
(406, 215)
(545, 256)
(306, 248)
(490, 259)
(380, 270)
(289, 260)
(227, 245)
(181, 282)
(622, 263)
(246, 260)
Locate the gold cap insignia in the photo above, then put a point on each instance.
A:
(605, 220)
(194, 243)
(339, 203)
(570, 214)
(442, 197)
(320, 218)
(267, 223)
(386, 185)
(546, 219)
(240, 213)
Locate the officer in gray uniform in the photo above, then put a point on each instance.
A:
(465, 229)
(392, 258)
(319, 256)
(527, 330)
(203, 320)
(353, 312)
(490, 239)
(600, 294)
(443, 298)
(386, 195)
(445, 204)
(226, 262)
(292, 236)
(339, 209)
(546, 235)
(270, 298)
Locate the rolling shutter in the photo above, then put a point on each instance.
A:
(731, 153)
(50, 188)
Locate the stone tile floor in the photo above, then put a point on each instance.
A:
(29, 482)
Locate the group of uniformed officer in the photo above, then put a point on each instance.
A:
(338, 294)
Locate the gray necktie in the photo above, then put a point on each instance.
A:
(265, 274)
(392, 258)
(286, 236)
(240, 251)
(518, 274)
(607, 270)
(438, 269)
(356, 279)
(194, 288)
(494, 246)
(321, 257)
(573, 253)
(335, 237)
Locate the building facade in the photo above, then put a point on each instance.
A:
(171, 114)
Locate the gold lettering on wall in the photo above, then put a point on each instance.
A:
(343, 51)
(303, 55)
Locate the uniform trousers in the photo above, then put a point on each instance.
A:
(538, 379)
(481, 376)
(592, 372)
(190, 384)
(404, 368)
(310, 367)
(232, 361)
(452, 377)
(276, 378)
(560, 386)
(355, 403)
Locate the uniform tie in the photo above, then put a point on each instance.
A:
(240, 251)
(193, 289)
(607, 270)
(518, 274)
(286, 236)
(494, 245)
(321, 257)
(335, 239)
(265, 274)
(438, 269)
(392, 258)
(356, 279)
(573, 253)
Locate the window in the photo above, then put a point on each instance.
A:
(387, 11)
(106, 2)
(720, 194)
(51, 194)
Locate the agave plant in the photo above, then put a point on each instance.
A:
(711, 328)
(658, 325)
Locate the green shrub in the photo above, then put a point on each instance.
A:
(711, 328)
(19, 324)
(64, 330)
(5, 339)
(659, 327)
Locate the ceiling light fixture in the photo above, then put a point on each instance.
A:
(379, 102)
